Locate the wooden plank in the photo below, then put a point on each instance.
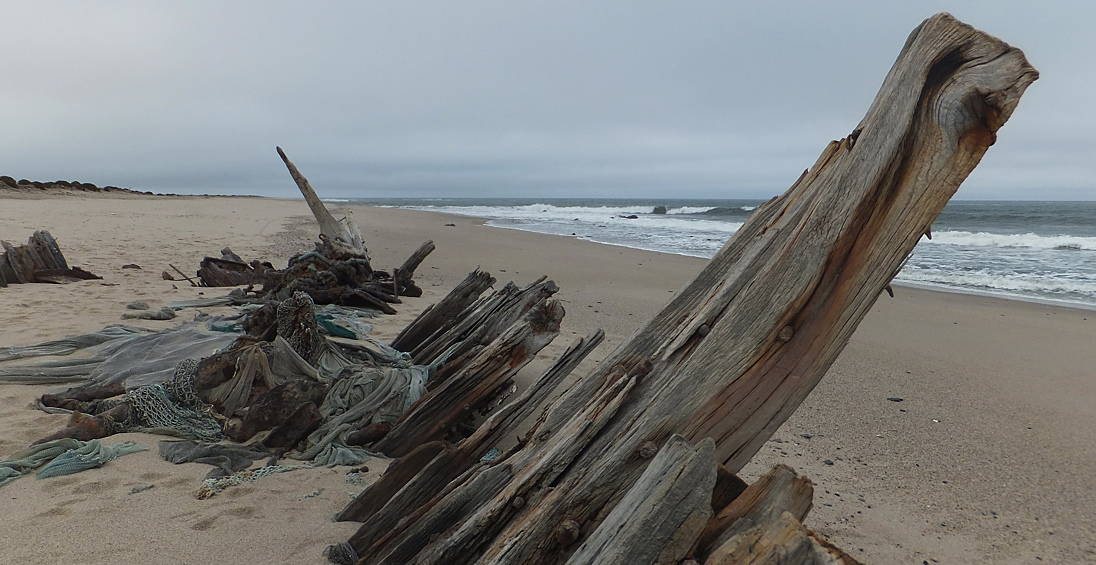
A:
(777, 491)
(662, 515)
(459, 397)
(14, 263)
(383, 510)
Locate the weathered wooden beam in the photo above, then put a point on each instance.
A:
(402, 276)
(740, 347)
(775, 540)
(662, 515)
(777, 491)
(467, 392)
(519, 496)
(329, 226)
(484, 320)
(40, 260)
(384, 506)
(440, 317)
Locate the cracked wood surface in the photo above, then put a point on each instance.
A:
(743, 344)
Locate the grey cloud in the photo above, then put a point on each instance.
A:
(700, 99)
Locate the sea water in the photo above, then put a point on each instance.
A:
(1017, 249)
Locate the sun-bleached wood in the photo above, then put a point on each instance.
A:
(739, 347)
(329, 226)
(662, 515)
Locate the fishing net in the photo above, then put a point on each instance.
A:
(118, 354)
(62, 457)
(172, 405)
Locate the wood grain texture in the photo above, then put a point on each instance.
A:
(662, 515)
(441, 317)
(739, 348)
(477, 383)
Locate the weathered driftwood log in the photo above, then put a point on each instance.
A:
(329, 226)
(440, 317)
(764, 525)
(402, 275)
(387, 503)
(229, 272)
(482, 322)
(740, 347)
(40, 260)
(472, 388)
(438, 470)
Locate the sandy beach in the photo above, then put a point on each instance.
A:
(953, 429)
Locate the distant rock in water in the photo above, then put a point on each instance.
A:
(629, 217)
(659, 210)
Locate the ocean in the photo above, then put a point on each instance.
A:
(1044, 251)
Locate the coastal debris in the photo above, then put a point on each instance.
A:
(188, 279)
(39, 261)
(338, 271)
(230, 270)
(778, 306)
(635, 461)
(164, 313)
(338, 233)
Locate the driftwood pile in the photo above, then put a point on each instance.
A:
(338, 271)
(635, 462)
(39, 261)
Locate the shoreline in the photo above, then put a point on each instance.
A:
(1000, 475)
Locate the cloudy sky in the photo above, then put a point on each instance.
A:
(407, 99)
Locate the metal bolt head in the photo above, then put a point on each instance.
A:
(567, 532)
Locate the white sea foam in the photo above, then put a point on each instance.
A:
(1051, 285)
(1028, 240)
(690, 210)
(1056, 267)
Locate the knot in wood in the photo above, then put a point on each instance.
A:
(648, 449)
(518, 503)
(567, 532)
(786, 334)
(703, 330)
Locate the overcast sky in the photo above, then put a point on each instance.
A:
(407, 99)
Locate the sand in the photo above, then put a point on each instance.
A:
(987, 457)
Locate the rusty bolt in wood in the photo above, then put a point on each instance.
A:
(567, 532)
(703, 330)
(786, 334)
(648, 449)
(518, 503)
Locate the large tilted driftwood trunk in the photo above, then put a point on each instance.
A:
(740, 347)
